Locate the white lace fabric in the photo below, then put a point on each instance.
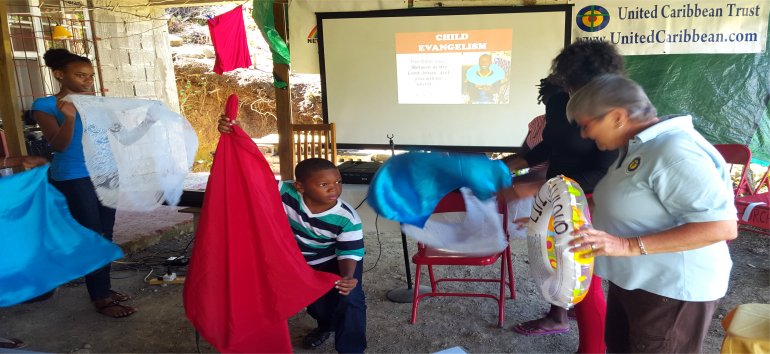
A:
(137, 151)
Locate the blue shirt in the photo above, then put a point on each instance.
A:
(669, 176)
(70, 163)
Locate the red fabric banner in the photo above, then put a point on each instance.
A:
(247, 275)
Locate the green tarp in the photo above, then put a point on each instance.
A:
(263, 17)
(727, 94)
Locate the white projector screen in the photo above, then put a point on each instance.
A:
(443, 78)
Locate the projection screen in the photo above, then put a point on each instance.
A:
(443, 78)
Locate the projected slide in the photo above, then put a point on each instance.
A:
(461, 78)
(454, 67)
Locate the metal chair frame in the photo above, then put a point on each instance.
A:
(429, 257)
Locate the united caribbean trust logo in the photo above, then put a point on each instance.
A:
(592, 18)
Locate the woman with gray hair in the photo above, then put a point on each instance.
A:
(661, 217)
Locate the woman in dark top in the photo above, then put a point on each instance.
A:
(567, 153)
(577, 158)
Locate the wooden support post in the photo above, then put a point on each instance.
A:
(9, 109)
(283, 99)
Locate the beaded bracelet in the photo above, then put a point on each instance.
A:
(641, 245)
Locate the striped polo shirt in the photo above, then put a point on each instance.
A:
(333, 234)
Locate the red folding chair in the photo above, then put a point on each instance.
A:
(737, 154)
(763, 182)
(430, 257)
(754, 208)
(754, 213)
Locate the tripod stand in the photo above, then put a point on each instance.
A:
(403, 295)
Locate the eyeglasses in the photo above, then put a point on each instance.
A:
(589, 122)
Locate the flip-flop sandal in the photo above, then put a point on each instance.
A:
(12, 343)
(119, 297)
(527, 331)
(102, 309)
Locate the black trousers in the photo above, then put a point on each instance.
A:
(85, 207)
(345, 315)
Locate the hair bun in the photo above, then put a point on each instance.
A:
(57, 58)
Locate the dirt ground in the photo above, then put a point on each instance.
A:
(67, 322)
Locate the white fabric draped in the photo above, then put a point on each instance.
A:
(137, 151)
(477, 231)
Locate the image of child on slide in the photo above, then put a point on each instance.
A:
(483, 80)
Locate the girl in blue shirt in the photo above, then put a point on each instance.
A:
(63, 129)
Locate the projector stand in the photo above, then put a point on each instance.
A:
(403, 295)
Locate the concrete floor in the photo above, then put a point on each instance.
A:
(138, 230)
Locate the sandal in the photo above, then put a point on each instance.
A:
(12, 343)
(315, 338)
(114, 309)
(119, 297)
(527, 330)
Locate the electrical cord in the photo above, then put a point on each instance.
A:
(379, 244)
(177, 258)
(362, 202)
(188, 245)
(148, 275)
(377, 231)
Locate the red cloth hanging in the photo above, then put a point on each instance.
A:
(247, 275)
(228, 35)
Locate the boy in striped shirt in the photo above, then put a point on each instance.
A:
(328, 232)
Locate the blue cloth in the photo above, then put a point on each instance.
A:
(70, 163)
(408, 187)
(41, 245)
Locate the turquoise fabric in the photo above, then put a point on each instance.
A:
(408, 187)
(41, 245)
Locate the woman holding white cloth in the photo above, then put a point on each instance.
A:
(662, 215)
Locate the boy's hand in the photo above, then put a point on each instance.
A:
(346, 285)
(224, 125)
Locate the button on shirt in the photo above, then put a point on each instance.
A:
(669, 176)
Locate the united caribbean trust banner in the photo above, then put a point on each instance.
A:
(674, 26)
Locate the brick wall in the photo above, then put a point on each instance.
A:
(134, 54)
